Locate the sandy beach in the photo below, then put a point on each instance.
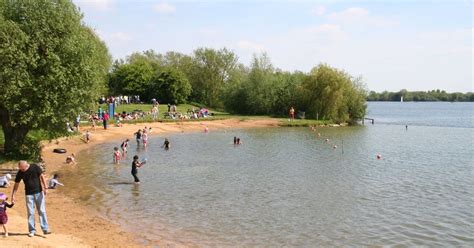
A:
(74, 224)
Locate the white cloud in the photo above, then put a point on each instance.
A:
(164, 8)
(350, 14)
(114, 37)
(96, 4)
(321, 33)
(252, 46)
(319, 10)
(360, 17)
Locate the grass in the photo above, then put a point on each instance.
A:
(303, 123)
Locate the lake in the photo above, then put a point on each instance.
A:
(285, 187)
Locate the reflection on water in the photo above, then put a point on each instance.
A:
(287, 187)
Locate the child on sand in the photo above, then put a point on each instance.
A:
(88, 136)
(71, 159)
(4, 183)
(54, 182)
(124, 146)
(135, 165)
(3, 212)
(117, 155)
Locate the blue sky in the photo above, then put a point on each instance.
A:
(393, 45)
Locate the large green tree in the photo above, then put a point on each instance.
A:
(211, 71)
(171, 86)
(52, 67)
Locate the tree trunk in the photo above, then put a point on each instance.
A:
(14, 135)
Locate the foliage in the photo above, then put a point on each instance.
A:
(171, 86)
(421, 96)
(52, 67)
(212, 69)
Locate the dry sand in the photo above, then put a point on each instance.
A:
(75, 225)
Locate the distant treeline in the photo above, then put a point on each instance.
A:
(216, 79)
(421, 96)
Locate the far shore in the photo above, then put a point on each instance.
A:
(73, 223)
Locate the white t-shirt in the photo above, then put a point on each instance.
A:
(53, 182)
(3, 180)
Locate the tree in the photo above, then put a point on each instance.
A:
(171, 86)
(132, 78)
(333, 94)
(52, 67)
(211, 71)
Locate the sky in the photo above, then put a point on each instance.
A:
(392, 45)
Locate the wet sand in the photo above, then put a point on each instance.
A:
(73, 223)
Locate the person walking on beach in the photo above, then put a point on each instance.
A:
(135, 165)
(105, 118)
(35, 192)
(3, 212)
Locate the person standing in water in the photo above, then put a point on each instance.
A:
(124, 146)
(135, 165)
(117, 155)
(138, 137)
(145, 137)
(166, 144)
(406, 127)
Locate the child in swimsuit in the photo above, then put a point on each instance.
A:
(117, 155)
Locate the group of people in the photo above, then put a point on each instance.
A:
(36, 189)
(237, 141)
(141, 137)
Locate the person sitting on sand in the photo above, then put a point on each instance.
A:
(53, 182)
(71, 159)
(3, 212)
(4, 183)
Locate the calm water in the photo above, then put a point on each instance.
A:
(284, 187)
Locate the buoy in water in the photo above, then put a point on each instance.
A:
(327, 140)
(379, 156)
(334, 146)
(319, 135)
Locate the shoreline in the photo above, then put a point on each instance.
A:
(71, 221)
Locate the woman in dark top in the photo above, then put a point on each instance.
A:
(135, 165)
